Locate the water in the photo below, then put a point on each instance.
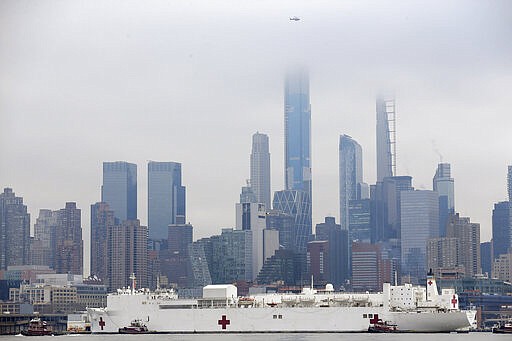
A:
(267, 337)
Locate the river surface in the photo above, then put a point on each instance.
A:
(268, 337)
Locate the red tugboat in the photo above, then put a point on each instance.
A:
(504, 328)
(36, 327)
(135, 327)
(382, 327)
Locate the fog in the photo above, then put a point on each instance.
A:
(82, 82)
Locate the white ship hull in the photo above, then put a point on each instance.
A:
(220, 310)
(285, 319)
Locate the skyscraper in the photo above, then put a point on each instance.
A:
(260, 168)
(69, 243)
(43, 244)
(119, 189)
(501, 228)
(509, 183)
(14, 230)
(127, 254)
(297, 120)
(337, 237)
(385, 138)
(298, 205)
(419, 223)
(251, 217)
(166, 198)
(351, 175)
(442, 183)
(468, 234)
(102, 221)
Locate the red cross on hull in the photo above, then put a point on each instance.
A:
(223, 322)
(454, 301)
(101, 323)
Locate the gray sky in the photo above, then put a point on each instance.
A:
(82, 82)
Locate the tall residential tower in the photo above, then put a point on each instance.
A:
(297, 120)
(385, 138)
(260, 168)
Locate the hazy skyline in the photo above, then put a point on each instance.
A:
(190, 81)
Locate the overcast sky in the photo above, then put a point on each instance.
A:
(82, 82)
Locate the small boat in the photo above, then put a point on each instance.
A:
(135, 327)
(503, 328)
(36, 327)
(382, 327)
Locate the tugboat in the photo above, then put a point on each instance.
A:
(37, 327)
(382, 327)
(503, 328)
(135, 327)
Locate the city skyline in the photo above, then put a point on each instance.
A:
(122, 91)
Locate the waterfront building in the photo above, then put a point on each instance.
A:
(443, 184)
(166, 198)
(119, 189)
(350, 175)
(502, 267)
(419, 223)
(501, 228)
(14, 230)
(102, 221)
(127, 254)
(260, 168)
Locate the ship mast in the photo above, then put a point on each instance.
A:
(132, 277)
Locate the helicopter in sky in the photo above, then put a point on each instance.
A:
(295, 18)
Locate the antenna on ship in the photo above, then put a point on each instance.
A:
(311, 281)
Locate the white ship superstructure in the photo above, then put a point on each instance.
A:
(220, 310)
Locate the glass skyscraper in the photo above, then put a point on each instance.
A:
(166, 198)
(298, 205)
(119, 189)
(297, 120)
(419, 223)
(260, 168)
(296, 199)
(351, 175)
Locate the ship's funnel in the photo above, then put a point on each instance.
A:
(432, 292)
